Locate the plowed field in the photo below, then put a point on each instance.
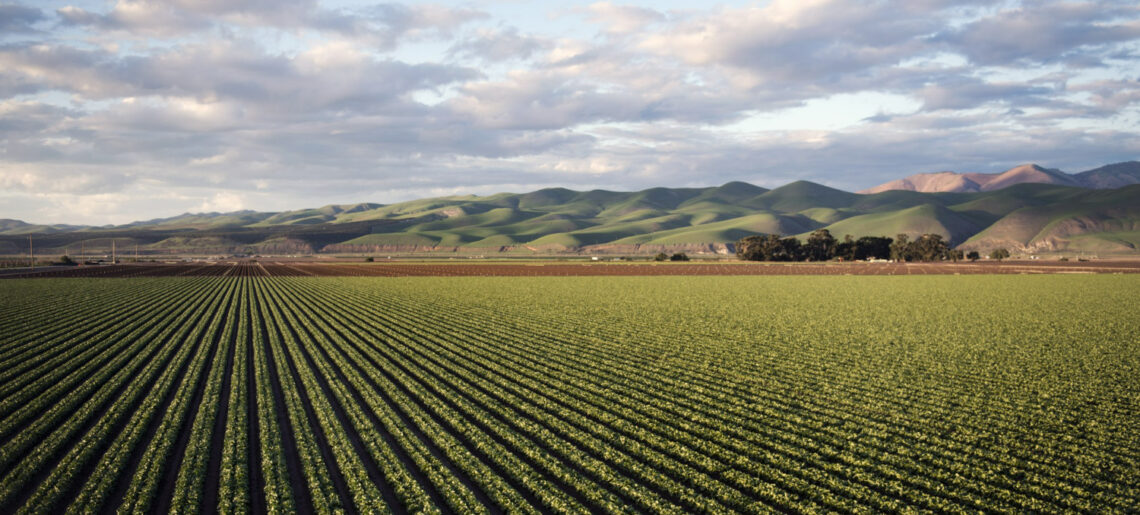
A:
(544, 269)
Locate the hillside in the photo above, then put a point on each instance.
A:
(1106, 177)
(1022, 217)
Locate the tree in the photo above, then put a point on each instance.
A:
(900, 249)
(369, 259)
(748, 248)
(680, 256)
(661, 256)
(820, 246)
(788, 249)
(764, 247)
(973, 255)
(955, 255)
(929, 247)
(873, 247)
(66, 260)
(845, 249)
(769, 247)
(999, 254)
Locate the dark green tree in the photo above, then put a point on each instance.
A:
(820, 246)
(999, 254)
(845, 249)
(900, 249)
(973, 255)
(680, 256)
(769, 247)
(764, 247)
(929, 247)
(661, 256)
(873, 247)
(748, 248)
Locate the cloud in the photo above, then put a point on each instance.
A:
(788, 41)
(496, 45)
(1046, 32)
(967, 92)
(331, 76)
(16, 18)
(280, 105)
(381, 25)
(155, 19)
(397, 21)
(622, 19)
(223, 202)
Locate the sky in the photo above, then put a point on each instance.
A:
(112, 112)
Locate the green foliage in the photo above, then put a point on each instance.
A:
(680, 256)
(928, 247)
(999, 254)
(973, 255)
(900, 249)
(769, 247)
(820, 246)
(606, 394)
(661, 256)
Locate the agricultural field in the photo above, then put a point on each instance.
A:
(554, 268)
(666, 394)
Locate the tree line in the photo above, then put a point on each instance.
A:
(822, 246)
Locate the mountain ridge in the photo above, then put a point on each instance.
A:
(1027, 217)
(1105, 177)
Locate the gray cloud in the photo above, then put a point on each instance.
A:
(967, 92)
(1045, 32)
(192, 102)
(16, 18)
(381, 25)
(496, 45)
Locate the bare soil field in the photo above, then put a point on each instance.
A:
(543, 269)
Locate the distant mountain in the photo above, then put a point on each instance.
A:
(202, 220)
(1106, 177)
(1111, 176)
(1024, 217)
(9, 226)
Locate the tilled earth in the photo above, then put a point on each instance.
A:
(270, 268)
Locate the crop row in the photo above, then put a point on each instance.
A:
(255, 392)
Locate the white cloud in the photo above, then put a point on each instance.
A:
(273, 105)
(622, 19)
(223, 202)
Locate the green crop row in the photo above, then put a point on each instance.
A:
(570, 394)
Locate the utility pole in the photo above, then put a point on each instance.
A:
(136, 253)
(31, 253)
(112, 251)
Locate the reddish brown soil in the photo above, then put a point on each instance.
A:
(544, 269)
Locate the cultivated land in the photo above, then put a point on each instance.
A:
(658, 394)
(543, 268)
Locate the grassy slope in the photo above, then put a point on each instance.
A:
(1019, 216)
(1085, 220)
(914, 221)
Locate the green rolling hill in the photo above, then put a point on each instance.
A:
(1025, 218)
